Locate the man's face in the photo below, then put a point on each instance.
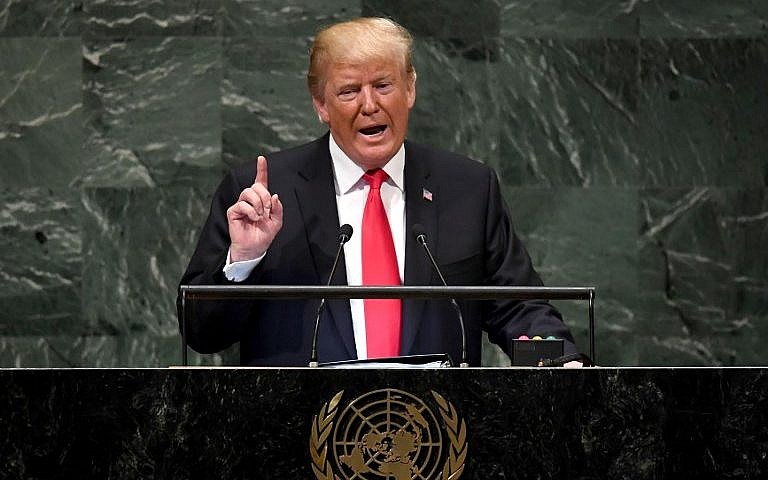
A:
(366, 107)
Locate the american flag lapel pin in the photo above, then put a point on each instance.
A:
(426, 194)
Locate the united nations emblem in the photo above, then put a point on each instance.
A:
(387, 434)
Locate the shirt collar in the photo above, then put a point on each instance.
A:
(347, 173)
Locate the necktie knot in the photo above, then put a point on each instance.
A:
(375, 178)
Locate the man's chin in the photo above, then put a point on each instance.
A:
(377, 156)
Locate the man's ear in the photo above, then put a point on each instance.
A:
(322, 112)
(411, 92)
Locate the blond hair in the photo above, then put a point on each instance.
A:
(358, 41)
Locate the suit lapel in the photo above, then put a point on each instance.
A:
(317, 203)
(421, 206)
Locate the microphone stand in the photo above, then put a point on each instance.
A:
(422, 239)
(345, 233)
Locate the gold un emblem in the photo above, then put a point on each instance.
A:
(388, 434)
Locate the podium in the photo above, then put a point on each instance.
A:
(190, 293)
(260, 423)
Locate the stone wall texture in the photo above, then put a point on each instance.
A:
(626, 133)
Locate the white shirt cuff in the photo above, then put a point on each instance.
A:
(239, 271)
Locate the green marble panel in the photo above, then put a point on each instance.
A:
(469, 29)
(137, 244)
(586, 237)
(467, 25)
(109, 153)
(107, 18)
(492, 355)
(567, 112)
(265, 102)
(704, 276)
(569, 18)
(440, 19)
(284, 19)
(124, 351)
(454, 107)
(703, 18)
(40, 261)
(153, 112)
(704, 112)
(41, 106)
(41, 18)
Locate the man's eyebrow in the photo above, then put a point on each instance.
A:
(382, 76)
(347, 84)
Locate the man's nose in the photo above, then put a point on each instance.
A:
(370, 102)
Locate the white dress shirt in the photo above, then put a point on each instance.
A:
(351, 194)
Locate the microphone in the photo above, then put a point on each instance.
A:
(345, 233)
(421, 236)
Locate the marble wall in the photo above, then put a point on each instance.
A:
(626, 134)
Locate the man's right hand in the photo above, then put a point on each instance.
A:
(255, 218)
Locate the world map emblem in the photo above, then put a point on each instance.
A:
(388, 434)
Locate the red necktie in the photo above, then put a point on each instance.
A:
(382, 316)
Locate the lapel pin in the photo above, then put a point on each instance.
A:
(426, 194)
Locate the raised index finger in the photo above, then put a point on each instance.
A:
(262, 175)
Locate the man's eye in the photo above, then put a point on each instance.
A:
(383, 86)
(347, 93)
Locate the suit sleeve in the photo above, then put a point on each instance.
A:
(507, 263)
(214, 325)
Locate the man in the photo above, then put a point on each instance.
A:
(278, 224)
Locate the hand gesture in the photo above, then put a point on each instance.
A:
(255, 218)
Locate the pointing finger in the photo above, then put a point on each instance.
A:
(262, 175)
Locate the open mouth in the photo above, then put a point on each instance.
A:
(371, 131)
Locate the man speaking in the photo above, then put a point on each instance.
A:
(276, 222)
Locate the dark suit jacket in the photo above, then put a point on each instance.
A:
(469, 231)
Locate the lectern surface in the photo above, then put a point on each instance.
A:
(384, 424)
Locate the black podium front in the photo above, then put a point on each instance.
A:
(387, 424)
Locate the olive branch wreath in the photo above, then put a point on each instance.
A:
(457, 433)
(322, 425)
